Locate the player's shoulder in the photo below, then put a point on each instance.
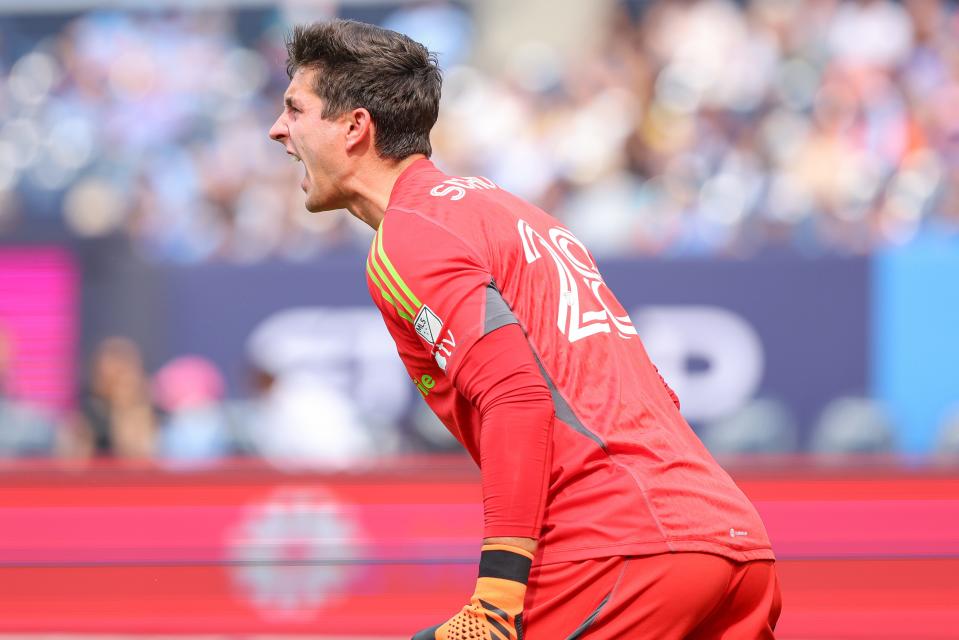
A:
(424, 186)
(458, 202)
(418, 228)
(427, 203)
(430, 206)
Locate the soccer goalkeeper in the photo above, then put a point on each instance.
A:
(605, 517)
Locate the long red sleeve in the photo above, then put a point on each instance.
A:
(501, 378)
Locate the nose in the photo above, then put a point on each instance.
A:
(279, 131)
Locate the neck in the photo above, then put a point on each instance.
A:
(372, 186)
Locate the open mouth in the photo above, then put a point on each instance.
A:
(304, 183)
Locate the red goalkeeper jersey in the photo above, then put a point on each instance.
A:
(456, 258)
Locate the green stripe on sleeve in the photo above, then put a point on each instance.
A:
(396, 276)
(389, 285)
(386, 296)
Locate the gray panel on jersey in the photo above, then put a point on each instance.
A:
(498, 314)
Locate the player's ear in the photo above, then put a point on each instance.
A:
(359, 130)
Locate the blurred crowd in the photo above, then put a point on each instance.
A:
(698, 127)
(179, 416)
(293, 418)
(695, 128)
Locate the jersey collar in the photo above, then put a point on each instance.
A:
(409, 174)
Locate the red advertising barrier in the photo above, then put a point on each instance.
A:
(246, 549)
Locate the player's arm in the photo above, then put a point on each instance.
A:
(438, 282)
(501, 378)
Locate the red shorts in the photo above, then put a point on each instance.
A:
(691, 596)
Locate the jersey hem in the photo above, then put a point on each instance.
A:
(653, 548)
(506, 531)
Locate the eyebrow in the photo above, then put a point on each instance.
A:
(288, 101)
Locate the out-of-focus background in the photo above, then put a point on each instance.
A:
(205, 429)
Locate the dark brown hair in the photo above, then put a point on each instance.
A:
(361, 65)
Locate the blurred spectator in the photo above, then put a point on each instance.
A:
(298, 418)
(947, 444)
(194, 430)
(116, 418)
(851, 426)
(445, 28)
(297, 421)
(24, 430)
(762, 425)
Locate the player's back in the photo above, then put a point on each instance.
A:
(629, 476)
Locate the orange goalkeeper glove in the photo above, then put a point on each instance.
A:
(495, 611)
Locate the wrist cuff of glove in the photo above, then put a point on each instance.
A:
(505, 562)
